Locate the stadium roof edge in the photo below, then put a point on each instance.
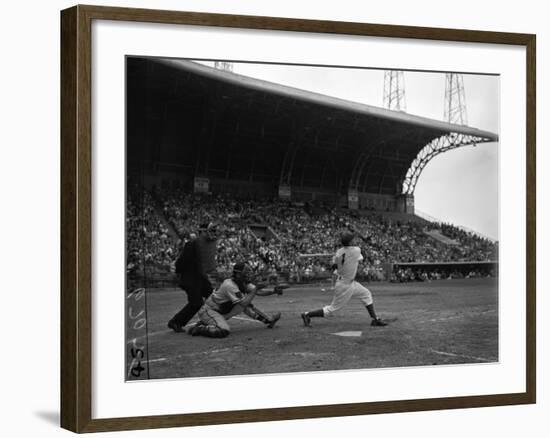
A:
(321, 99)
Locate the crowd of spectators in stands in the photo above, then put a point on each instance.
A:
(149, 246)
(272, 235)
(402, 274)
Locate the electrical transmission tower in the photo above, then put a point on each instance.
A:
(222, 65)
(455, 99)
(394, 90)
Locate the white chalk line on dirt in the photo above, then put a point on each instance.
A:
(309, 354)
(247, 319)
(444, 353)
(160, 332)
(450, 318)
(149, 334)
(216, 351)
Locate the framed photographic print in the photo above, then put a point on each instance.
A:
(325, 218)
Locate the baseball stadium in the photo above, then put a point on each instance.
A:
(283, 172)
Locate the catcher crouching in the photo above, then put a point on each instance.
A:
(234, 296)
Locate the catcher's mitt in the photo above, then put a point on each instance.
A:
(279, 288)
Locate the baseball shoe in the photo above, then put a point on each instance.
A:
(175, 326)
(274, 320)
(306, 319)
(378, 323)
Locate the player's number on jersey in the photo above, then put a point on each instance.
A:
(343, 258)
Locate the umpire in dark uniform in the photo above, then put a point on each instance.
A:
(193, 266)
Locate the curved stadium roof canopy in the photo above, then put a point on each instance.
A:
(223, 125)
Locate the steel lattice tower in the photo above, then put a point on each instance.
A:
(222, 65)
(394, 90)
(454, 112)
(455, 99)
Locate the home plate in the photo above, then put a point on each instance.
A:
(352, 334)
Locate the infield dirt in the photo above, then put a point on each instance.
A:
(441, 322)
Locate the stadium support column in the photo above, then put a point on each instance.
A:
(205, 143)
(201, 185)
(296, 137)
(353, 199)
(285, 192)
(405, 203)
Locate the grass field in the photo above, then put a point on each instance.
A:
(442, 322)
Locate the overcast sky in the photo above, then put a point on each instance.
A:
(459, 186)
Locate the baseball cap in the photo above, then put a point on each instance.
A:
(346, 238)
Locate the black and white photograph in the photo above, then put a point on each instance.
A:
(304, 218)
(275, 219)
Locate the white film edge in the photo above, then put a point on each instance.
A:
(112, 397)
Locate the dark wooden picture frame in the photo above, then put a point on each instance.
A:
(76, 218)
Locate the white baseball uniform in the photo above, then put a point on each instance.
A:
(214, 311)
(347, 260)
(211, 314)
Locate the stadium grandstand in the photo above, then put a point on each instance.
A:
(284, 171)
